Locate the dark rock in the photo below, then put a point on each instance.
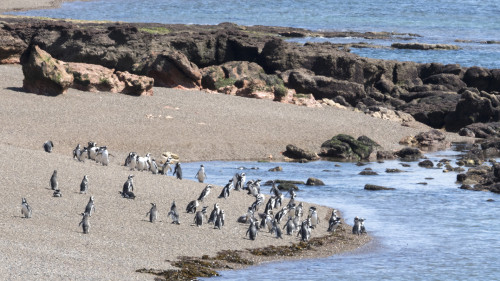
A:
(11, 47)
(278, 181)
(295, 152)
(426, 164)
(432, 138)
(450, 81)
(405, 165)
(287, 186)
(409, 154)
(424, 46)
(314, 181)
(373, 187)
(276, 169)
(347, 147)
(368, 172)
(481, 130)
(496, 170)
(394, 171)
(479, 78)
(461, 177)
(172, 69)
(43, 74)
(385, 154)
(433, 109)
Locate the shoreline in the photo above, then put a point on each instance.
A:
(26, 5)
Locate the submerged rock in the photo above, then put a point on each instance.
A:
(314, 181)
(373, 187)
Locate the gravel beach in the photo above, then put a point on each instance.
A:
(195, 125)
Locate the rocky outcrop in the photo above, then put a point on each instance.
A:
(173, 69)
(424, 46)
(43, 74)
(481, 130)
(481, 178)
(373, 187)
(48, 76)
(347, 147)
(409, 154)
(298, 153)
(314, 181)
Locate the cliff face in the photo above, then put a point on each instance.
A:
(439, 95)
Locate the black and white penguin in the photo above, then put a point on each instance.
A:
(166, 166)
(79, 153)
(356, 228)
(153, 213)
(201, 175)
(219, 222)
(48, 145)
(276, 230)
(153, 167)
(85, 223)
(198, 217)
(362, 227)
(252, 230)
(92, 149)
(313, 214)
(290, 226)
(205, 192)
(226, 189)
(90, 208)
(84, 185)
(191, 207)
(173, 214)
(281, 214)
(213, 215)
(305, 230)
(142, 163)
(57, 193)
(53, 181)
(128, 188)
(131, 160)
(178, 171)
(102, 156)
(25, 209)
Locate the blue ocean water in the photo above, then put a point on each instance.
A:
(437, 21)
(432, 231)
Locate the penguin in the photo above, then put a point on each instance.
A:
(90, 208)
(131, 160)
(219, 222)
(142, 163)
(153, 213)
(201, 175)
(281, 214)
(178, 171)
(205, 192)
(48, 145)
(85, 223)
(166, 166)
(290, 226)
(356, 229)
(276, 230)
(299, 210)
(128, 187)
(313, 214)
(267, 220)
(214, 214)
(79, 153)
(92, 150)
(198, 218)
(305, 231)
(292, 198)
(333, 224)
(153, 167)
(57, 193)
(240, 181)
(84, 185)
(191, 207)
(246, 218)
(53, 181)
(102, 156)
(225, 191)
(173, 213)
(269, 204)
(252, 230)
(362, 225)
(25, 209)
(254, 187)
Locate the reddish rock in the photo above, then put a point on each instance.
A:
(11, 48)
(44, 74)
(136, 85)
(174, 69)
(94, 78)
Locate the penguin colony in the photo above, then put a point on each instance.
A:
(266, 213)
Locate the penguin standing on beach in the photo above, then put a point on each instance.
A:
(84, 185)
(225, 191)
(25, 209)
(205, 192)
(48, 145)
(356, 228)
(178, 171)
(166, 166)
(131, 160)
(153, 213)
(313, 214)
(252, 230)
(90, 208)
(79, 153)
(305, 230)
(201, 175)
(219, 221)
(102, 155)
(290, 226)
(85, 223)
(53, 181)
(128, 187)
(333, 222)
(191, 207)
(174, 215)
(213, 215)
(153, 167)
(198, 218)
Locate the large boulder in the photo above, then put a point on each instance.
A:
(11, 47)
(295, 152)
(136, 85)
(347, 147)
(481, 130)
(94, 78)
(409, 154)
(173, 69)
(432, 108)
(43, 74)
(432, 138)
(450, 81)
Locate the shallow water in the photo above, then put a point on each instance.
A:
(441, 21)
(434, 231)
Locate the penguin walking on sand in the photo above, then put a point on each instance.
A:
(239, 181)
(53, 181)
(252, 230)
(191, 207)
(90, 208)
(84, 185)
(153, 167)
(165, 168)
(305, 230)
(313, 214)
(219, 222)
(198, 218)
(276, 230)
(201, 175)
(290, 226)
(102, 156)
(48, 145)
(153, 213)
(79, 153)
(128, 188)
(225, 191)
(173, 214)
(333, 222)
(85, 223)
(25, 209)
(205, 192)
(213, 215)
(356, 229)
(131, 160)
(178, 171)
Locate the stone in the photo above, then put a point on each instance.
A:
(409, 154)
(314, 181)
(424, 46)
(43, 74)
(394, 171)
(136, 85)
(385, 154)
(295, 152)
(347, 147)
(426, 164)
(276, 169)
(94, 78)
(173, 69)
(373, 187)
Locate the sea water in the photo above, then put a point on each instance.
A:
(471, 22)
(426, 229)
